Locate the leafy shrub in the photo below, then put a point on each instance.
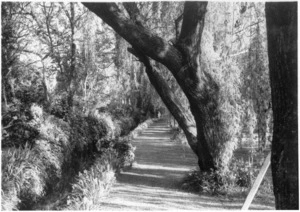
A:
(92, 185)
(28, 86)
(57, 151)
(17, 130)
(118, 128)
(125, 152)
(80, 154)
(19, 134)
(55, 129)
(119, 112)
(241, 174)
(138, 116)
(126, 125)
(37, 113)
(87, 131)
(124, 114)
(203, 182)
(244, 173)
(106, 118)
(140, 128)
(31, 170)
(29, 94)
(99, 127)
(59, 106)
(53, 142)
(52, 158)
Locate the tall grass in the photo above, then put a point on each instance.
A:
(92, 185)
(23, 177)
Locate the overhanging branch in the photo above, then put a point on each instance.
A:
(134, 12)
(137, 35)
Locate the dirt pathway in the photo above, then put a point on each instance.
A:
(153, 183)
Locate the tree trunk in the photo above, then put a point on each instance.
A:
(72, 68)
(282, 49)
(169, 99)
(183, 60)
(4, 99)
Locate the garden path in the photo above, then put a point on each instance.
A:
(153, 182)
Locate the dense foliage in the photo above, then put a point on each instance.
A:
(56, 154)
(58, 117)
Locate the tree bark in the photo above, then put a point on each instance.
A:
(282, 49)
(4, 99)
(183, 60)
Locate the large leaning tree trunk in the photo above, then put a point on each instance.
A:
(169, 99)
(183, 60)
(162, 87)
(282, 49)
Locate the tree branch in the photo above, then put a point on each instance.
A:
(10, 124)
(134, 12)
(248, 27)
(190, 37)
(193, 20)
(177, 26)
(140, 56)
(137, 35)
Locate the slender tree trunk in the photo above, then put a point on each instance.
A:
(4, 102)
(11, 83)
(72, 69)
(44, 84)
(85, 90)
(282, 49)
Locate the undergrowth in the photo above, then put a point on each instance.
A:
(238, 178)
(56, 150)
(23, 177)
(92, 185)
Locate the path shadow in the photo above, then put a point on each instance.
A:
(164, 178)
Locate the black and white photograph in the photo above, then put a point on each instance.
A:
(149, 105)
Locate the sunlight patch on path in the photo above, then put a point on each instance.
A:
(146, 166)
(145, 175)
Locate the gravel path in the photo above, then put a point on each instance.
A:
(153, 183)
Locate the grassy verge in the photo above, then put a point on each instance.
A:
(93, 184)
